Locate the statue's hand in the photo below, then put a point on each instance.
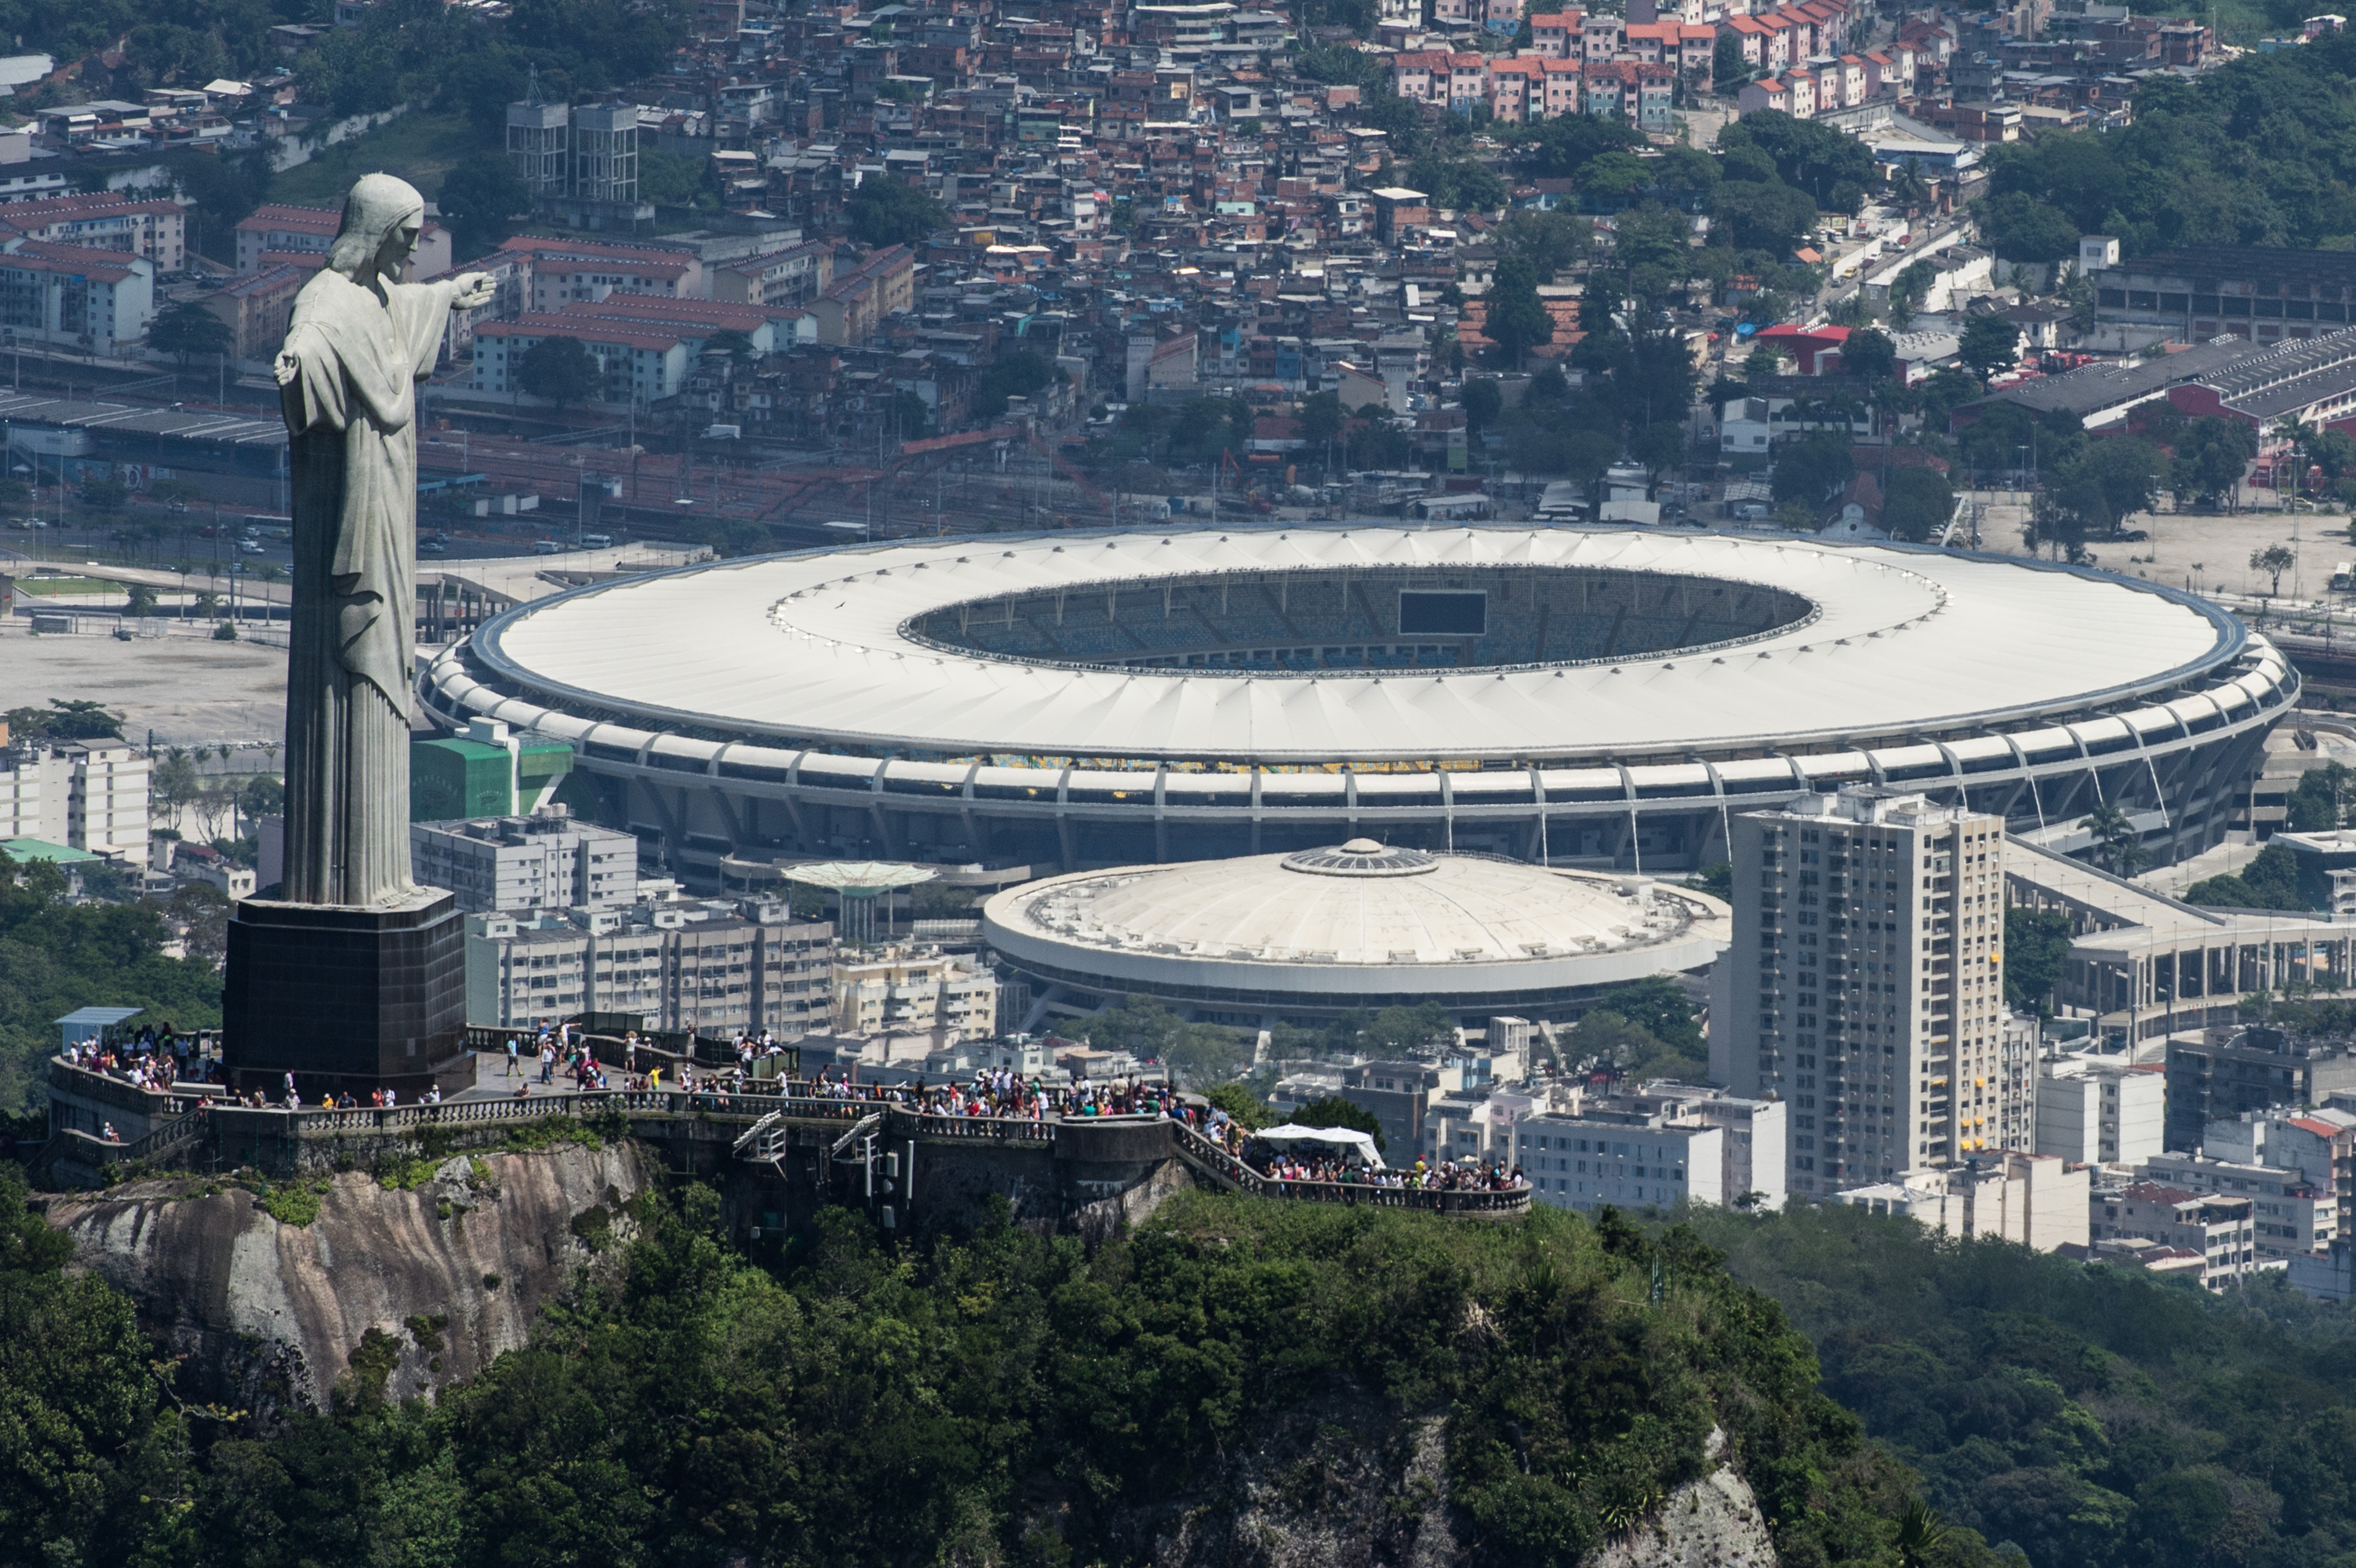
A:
(475, 289)
(287, 367)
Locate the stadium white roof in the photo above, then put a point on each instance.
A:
(810, 648)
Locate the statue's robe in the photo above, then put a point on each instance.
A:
(351, 416)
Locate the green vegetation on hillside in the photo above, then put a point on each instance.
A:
(2253, 154)
(56, 956)
(2091, 1417)
(1002, 1399)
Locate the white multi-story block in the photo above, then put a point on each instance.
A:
(2095, 1111)
(550, 859)
(2035, 1199)
(1863, 986)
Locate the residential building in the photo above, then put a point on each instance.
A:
(276, 233)
(2101, 1111)
(2038, 1201)
(98, 300)
(1629, 1157)
(2220, 1231)
(89, 796)
(716, 967)
(256, 307)
(852, 307)
(550, 859)
(915, 992)
(1863, 986)
(637, 364)
(1398, 1094)
(2288, 1212)
(2256, 1067)
(156, 230)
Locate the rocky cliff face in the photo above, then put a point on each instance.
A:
(1341, 1484)
(448, 1274)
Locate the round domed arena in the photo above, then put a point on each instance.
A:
(1605, 698)
(1319, 931)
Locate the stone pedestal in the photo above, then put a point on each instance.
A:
(347, 999)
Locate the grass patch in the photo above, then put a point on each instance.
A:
(62, 587)
(418, 148)
(293, 1203)
(395, 1174)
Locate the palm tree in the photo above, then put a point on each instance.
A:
(2122, 846)
(1921, 1534)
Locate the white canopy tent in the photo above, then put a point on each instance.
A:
(1343, 1141)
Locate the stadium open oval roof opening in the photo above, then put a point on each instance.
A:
(1316, 619)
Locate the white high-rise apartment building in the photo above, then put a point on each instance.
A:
(1864, 985)
(85, 795)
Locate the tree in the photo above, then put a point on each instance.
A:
(1016, 375)
(1483, 403)
(886, 211)
(1870, 355)
(142, 600)
(2116, 840)
(1396, 1029)
(1333, 1111)
(1238, 1101)
(1810, 469)
(563, 370)
(1550, 241)
(188, 329)
(1659, 1005)
(1727, 66)
(2036, 944)
(174, 782)
(1988, 343)
(64, 719)
(2019, 228)
(2211, 454)
(2318, 801)
(1517, 320)
(481, 199)
(2269, 881)
(1321, 416)
(2274, 559)
(1918, 504)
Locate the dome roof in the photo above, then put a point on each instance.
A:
(1358, 904)
(1319, 921)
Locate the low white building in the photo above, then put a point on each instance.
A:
(2101, 1110)
(2038, 1201)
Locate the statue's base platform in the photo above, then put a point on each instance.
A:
(348, 998)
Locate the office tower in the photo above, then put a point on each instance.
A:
(1864, 985)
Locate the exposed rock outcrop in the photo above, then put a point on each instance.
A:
(452, 1271)
(1710, 1523)
(1339, 1483)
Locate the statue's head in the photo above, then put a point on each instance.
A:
(382, 217)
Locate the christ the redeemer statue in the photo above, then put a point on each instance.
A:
(360, 342)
